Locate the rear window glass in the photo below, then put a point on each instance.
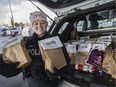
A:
(99, 20)
(87, 25)
(63, 27)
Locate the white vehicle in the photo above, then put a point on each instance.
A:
(77, 19)
(12, 32)
(19, 29)
(27, 31)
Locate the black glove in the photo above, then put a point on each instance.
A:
(53, 76)
(8, 70)
(56, 75)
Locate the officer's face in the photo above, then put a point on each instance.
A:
(40, 27)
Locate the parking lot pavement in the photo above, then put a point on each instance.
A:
(16, 81)
(4, 38)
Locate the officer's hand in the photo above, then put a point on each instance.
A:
(52, 76)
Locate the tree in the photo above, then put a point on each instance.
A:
(17, 24)
(21, 24)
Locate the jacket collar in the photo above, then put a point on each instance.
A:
(43, 37)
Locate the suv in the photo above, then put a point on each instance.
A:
(27, 31)
(84, 22)
(3, 31)
(13, 32)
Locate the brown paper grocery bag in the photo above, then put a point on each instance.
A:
(17, 54)
(109, 62)
(72, 58)
(83, 53)
(112, 64)
(53, 58)
(81, 57)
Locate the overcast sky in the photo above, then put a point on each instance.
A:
(20, 9)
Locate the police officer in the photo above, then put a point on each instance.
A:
(35, 73)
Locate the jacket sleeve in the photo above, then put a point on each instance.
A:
(8, 70)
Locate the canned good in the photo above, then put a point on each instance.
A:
(86, 68)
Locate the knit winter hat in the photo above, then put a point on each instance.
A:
(38, 15)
